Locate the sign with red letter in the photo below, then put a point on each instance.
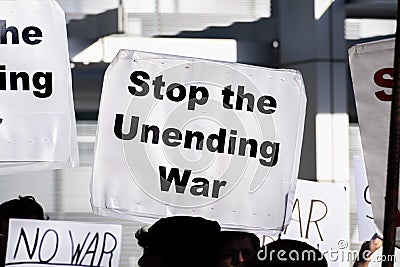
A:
(371, 66)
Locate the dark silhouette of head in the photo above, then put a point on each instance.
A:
(20, 208)
(179, 241)
(236, 247)
(288, 253)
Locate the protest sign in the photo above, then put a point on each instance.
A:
(37, 121)
(365, 218)
(319, 218)
(371, 66)
(63, 243)
(186, 136)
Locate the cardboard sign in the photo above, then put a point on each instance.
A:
(365, 218)
(37, 121)
(319, 219)
(371, 66)
(63, 243)
(186, 136)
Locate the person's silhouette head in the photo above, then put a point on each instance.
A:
(24, 207)
(236, 247)
(179, 241)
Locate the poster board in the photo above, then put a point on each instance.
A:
(63, 243)
(320, 213)
(37, 120)
(371, 66)
(365, 217)
(187, 136)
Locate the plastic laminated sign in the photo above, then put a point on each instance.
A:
(37, 120)
(187, 136)
(371, 66)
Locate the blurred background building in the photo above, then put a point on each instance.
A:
(309, 35)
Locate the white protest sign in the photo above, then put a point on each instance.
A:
(319, 219)
(37, 121)
(33, 242)
(371, 66)
(365, 218)
(186, 136)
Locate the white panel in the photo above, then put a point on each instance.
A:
(364, 28)
(106, 48)
(324, 131)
